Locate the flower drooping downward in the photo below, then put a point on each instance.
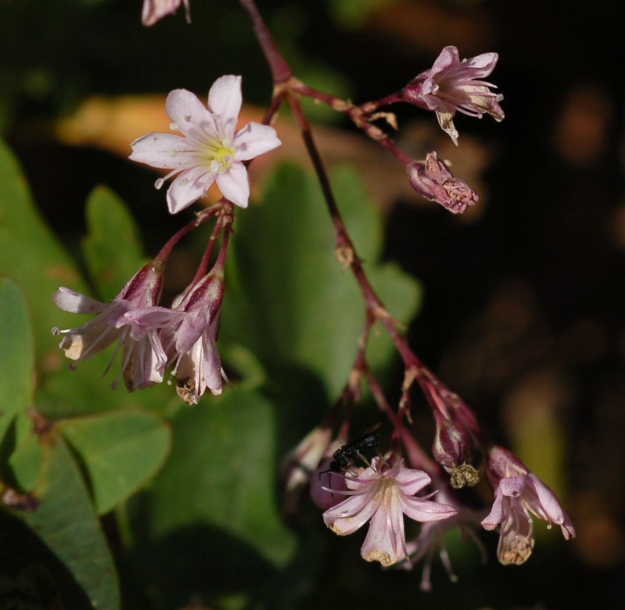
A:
(435, 182)
(210, 150)
(154, 10)
(519, 494)
(190, 340)
(451, 85)
(127, 319)
(383, 493)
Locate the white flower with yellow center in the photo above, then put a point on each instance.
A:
(210, 150)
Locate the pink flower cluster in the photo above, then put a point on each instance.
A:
(385, 491)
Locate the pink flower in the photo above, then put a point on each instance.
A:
(452, 85)
(210, 150)
(190, 339)
(519, 494)
(383, 494)
(154, 10)
(435, 182)
(124, 319)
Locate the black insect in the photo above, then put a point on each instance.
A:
(344, 456)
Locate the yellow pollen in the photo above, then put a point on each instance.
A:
(220, 154)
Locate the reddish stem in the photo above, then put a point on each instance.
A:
(201, 218)
(280, 70)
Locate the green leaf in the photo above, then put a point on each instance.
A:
(221, 473)
(112, 250)
(288, 299)
(31, 254)
(121, 452)
(16, 355)
(25, 461)
(65, 520)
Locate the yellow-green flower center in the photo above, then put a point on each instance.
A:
(217, 152)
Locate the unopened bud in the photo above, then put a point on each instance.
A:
(452, 444)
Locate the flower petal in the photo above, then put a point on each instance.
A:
(412, 481)
(234, 184)
(253, 140)
(225, 100)
(74, 302)
(448, 57)
(482, 65)
(189, 114)
(426, 510)
(516, 541)
(188, 187)
(163, 150)
(386, 541)
(350, 515)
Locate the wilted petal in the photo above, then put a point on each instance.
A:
(435, 182)
(519, 494)
(516, 540)
(124, 319)
(452, 86)
(73, 302)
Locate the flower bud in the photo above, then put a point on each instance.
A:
(452, 450)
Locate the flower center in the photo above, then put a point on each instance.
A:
(218, 154)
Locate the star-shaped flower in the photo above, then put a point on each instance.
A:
(383, 493)
(210, 150)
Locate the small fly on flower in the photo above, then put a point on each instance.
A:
(345, 455)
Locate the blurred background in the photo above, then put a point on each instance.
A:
(524, 296)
